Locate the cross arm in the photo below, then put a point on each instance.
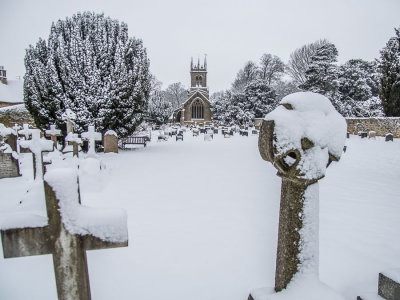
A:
(26, 242)
(91, 242)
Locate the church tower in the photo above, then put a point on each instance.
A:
(198, 75)
(197, 109)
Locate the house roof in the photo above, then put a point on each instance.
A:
(12, 92)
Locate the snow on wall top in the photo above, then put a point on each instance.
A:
(12, 91)
(106, 224)
(312, 116)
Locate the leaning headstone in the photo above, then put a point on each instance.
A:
(389, 137)
(301, 137)
(37, 146)
(53, 133)
(92, 136)
(71, 231)
(110, 142)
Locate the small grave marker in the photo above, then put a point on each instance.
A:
(92, 136)
(53, 133)
(110, 142)
(75, 141)
(37, 146)
(389, 137)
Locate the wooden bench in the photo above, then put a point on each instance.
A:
(133, 140)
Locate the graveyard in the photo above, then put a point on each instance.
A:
(202, 218)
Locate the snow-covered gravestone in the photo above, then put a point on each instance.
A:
(71, 230)
(75, 141)
(25, 131)
(301, 137)
(69, 117)
(9, 136)
(110, 142)
(37, 146)
(91, 136)
(9, 164)
(53, 133)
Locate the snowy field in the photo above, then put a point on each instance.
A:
(203, 221)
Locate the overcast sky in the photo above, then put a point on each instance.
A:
(230, 32)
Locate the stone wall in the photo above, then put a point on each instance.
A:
(16, 114)
(5, 104)
(381, 126)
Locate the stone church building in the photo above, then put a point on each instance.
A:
(196, 109)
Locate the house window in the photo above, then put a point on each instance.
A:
(197, 110)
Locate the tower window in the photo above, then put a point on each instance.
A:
(199, 80)
(197, 110)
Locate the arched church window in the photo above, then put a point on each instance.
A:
(197, 110)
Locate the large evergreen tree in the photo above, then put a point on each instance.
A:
(89, 65)
(390, 79)
(322, 74)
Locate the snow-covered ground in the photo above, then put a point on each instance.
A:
(203, 218)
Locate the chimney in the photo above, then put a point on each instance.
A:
(3, 75)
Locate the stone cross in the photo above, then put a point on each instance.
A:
(92, 137)
(301, 157)
(37, 146)
(68, 250)
(73, 139)
(26, 131)
(53, 133)
(69, 117)
(16, 127)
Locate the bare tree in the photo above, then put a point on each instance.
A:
(300, 60)
(176, 94)
(245, 76)
(271, 68)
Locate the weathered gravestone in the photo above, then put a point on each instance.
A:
(110, 142)
(92, 136)
(37, 146)
(53, 133)
(64, 237)
(301, 137)
(9, 165)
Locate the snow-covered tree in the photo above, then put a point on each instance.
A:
(359, 79)
(249, 72)
(91, 66)
(390, 76)
(255, 101)
(322, 74)
(300, 61)
(159, 109)
(271, 68)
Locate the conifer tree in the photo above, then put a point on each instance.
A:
(390, 71)
(91, 66)
(322, 74)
